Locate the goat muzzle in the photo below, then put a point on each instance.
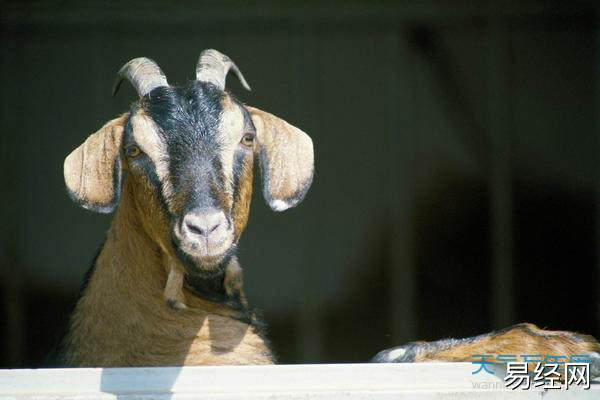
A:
(205, 233)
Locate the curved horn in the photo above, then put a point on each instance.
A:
(213, 67)
(143, 73)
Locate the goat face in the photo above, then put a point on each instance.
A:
(191, 150)
(189, 155)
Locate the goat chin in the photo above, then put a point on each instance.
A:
(205, 265)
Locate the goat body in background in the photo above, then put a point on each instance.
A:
(166, 288)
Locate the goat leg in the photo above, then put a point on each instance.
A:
(518, 340)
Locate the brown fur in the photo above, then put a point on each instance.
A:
(126, 315)
(136, 261)
(241, 205)
(122, 319)
(521, 339)
(136, 309)
(234, 284)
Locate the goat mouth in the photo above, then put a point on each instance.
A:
(204, 249)
(202, 253)
(203, 265)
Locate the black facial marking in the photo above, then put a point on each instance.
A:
(238, 168)
(188, 120)
(157, 186)
(149, 169)
(248, 124)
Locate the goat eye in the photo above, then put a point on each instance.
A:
(248, 139)
(133, 151)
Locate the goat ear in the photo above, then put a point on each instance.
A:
(286, 160)
(93, 170)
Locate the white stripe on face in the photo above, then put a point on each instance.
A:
(230, 132)
(146, 136)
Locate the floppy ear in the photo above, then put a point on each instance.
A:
(286, 160)
(93, 170)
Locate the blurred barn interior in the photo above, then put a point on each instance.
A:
(457, 144)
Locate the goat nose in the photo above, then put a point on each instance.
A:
(202, 223)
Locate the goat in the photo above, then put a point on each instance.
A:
(518, 340)
(166, 287)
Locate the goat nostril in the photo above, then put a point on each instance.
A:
(194, 229)
(213, 228)
(201, 229)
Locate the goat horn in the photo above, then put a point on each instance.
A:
(143, 73)
(213, 67)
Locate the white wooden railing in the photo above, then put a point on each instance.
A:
(325, 381)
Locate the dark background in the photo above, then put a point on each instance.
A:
(457, 180)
